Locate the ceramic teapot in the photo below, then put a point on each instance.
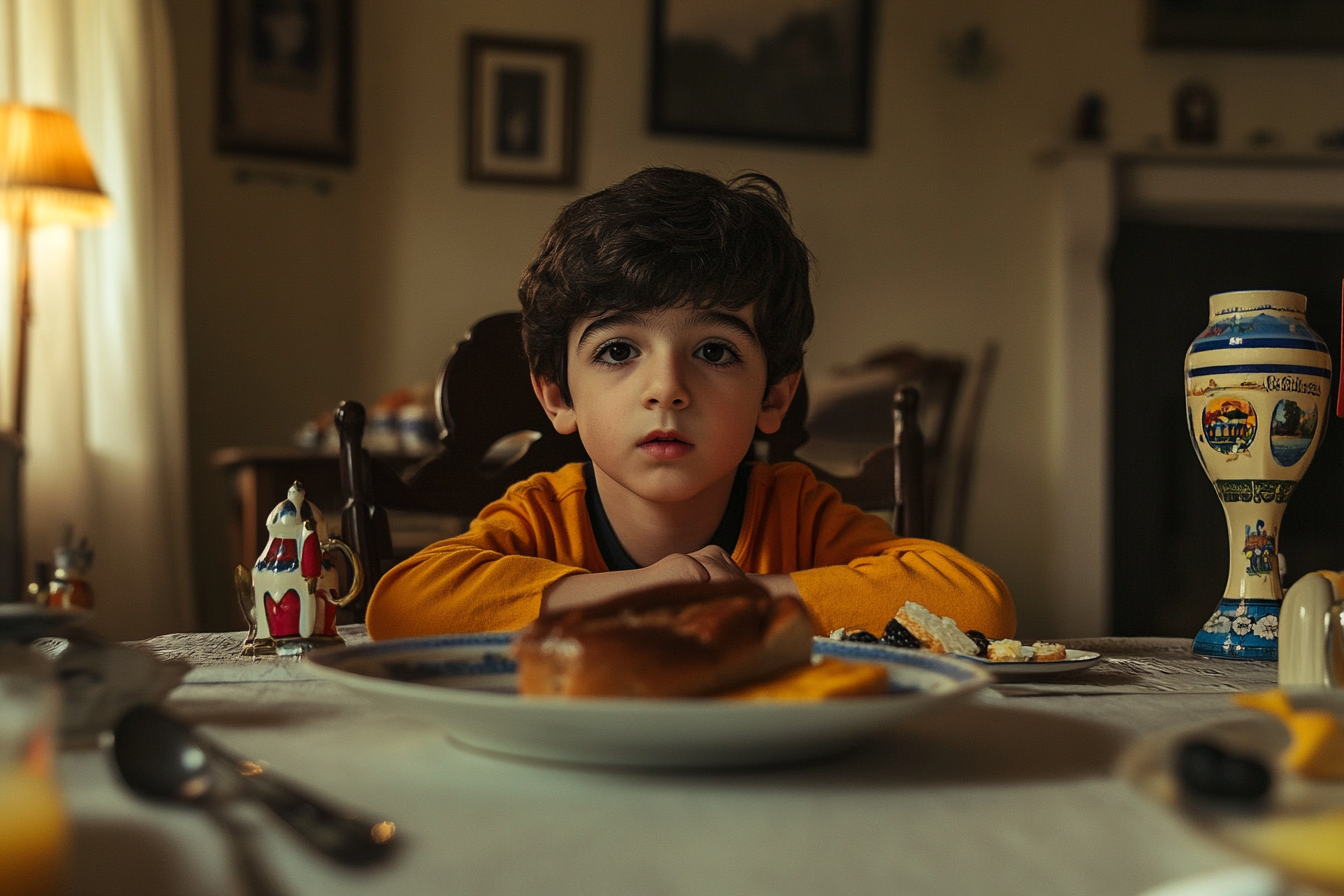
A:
(291, 593)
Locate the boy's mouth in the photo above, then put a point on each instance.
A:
(665, 444)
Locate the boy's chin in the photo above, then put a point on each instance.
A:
(669, 486)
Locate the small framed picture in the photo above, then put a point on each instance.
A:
(285, 79)
(522, 110)
(774, 70)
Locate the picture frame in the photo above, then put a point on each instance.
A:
(286, 79)
(766, 70)
(522, 110)
(1300, 26)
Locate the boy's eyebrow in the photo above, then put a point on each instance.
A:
(701, 317)
(723, 318)
(606, 322)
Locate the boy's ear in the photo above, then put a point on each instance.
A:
(561, 414)
(776, 404)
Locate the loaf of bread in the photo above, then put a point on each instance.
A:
(676, 641)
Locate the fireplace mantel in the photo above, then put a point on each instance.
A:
(1093, 189)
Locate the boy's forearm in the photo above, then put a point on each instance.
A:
(777, 584)
(698, 568)
(594, 587)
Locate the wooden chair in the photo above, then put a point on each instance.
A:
(890, 479)
(850, 428)
(495, 433)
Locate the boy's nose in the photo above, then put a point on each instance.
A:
(666, 386)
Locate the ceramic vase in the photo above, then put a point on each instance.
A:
(1257, 382)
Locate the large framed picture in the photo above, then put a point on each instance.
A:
(1286, 26)
(795, 71)
(285, 79)
(522, 110)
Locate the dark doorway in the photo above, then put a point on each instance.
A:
(1169, 538)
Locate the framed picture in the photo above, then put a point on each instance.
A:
(285, 79)
(780, 70)
(1289, 26)
(522, 110)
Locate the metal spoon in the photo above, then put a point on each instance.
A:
(157, 763)
(162, 757)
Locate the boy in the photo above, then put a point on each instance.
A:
(664, 320)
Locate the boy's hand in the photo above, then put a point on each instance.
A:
(709, 564)
(718, 563)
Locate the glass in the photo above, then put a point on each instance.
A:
(33, 827)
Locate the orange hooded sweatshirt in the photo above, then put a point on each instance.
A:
(849, 568)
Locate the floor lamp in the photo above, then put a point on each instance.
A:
(45, 178)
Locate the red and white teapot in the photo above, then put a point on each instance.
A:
(291, 594)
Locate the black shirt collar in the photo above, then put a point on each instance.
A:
(725, 536)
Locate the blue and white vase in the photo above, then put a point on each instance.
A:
(1257, 382)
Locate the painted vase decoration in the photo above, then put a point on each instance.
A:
(1257, 381)
(291, 594)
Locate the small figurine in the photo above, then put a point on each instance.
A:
(69, 589)
(293, 586)
(1196, 113)
(1089, 122)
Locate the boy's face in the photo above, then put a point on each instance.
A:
(667, 401)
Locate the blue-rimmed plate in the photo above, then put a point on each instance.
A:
(467, 684)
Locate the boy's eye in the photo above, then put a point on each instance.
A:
(716, 353)
(615, 352)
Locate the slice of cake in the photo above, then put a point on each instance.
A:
(939, 634)
(1048, 652)
(1005, 650)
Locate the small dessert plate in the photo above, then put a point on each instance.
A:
(1074, 661)
(23, 622)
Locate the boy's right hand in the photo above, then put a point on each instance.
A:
(717, 562)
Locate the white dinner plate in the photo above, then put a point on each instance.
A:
(1074, 661)
(467, 684)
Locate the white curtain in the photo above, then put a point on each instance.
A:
(106, 443)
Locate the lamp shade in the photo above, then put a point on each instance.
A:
(45, 171)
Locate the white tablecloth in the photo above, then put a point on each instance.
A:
(1012, 792)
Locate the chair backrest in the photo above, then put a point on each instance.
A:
(849, 425)
(493, 431)
(890, 479)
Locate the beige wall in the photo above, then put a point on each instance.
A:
(940, 233)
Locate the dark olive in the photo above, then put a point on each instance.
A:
(1208, 771)
(897, 635)
(981, 642)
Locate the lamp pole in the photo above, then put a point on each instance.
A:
(23, 313)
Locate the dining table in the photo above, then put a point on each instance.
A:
(1013, 789)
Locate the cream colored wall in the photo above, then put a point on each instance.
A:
(939, 234)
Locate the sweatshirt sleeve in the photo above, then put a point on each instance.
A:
(860, 573)
(489, 579)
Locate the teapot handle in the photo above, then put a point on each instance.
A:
(356, 571)
(1334, 646)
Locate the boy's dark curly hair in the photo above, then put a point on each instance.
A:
(662, 238)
